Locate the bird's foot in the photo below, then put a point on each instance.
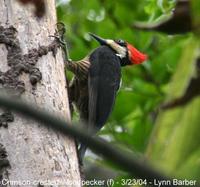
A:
(59, 34)
(60, 39)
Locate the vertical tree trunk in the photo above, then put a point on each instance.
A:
(27, 150)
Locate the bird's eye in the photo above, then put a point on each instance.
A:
(121, 42)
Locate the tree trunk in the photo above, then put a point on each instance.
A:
(32, 65)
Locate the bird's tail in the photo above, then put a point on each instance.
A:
(83, 147)
(81, 152)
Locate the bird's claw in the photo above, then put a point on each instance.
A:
(59, 36)
(60, 31)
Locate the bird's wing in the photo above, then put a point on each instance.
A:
(103, 83)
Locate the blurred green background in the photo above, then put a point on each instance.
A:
(169, 139)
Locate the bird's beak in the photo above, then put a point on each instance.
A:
(98, 39)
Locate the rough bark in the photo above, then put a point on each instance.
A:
(28, 151)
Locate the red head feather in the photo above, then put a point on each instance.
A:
(136, 56)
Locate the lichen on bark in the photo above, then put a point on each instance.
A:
(19, 63)
(4, 163)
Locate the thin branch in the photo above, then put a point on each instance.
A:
(125, 160)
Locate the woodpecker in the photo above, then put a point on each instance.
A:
(97, 79)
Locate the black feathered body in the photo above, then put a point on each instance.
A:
(94, 87)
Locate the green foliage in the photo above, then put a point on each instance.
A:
(177, 141)
(144, 87)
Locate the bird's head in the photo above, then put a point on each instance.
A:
(128, 54)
